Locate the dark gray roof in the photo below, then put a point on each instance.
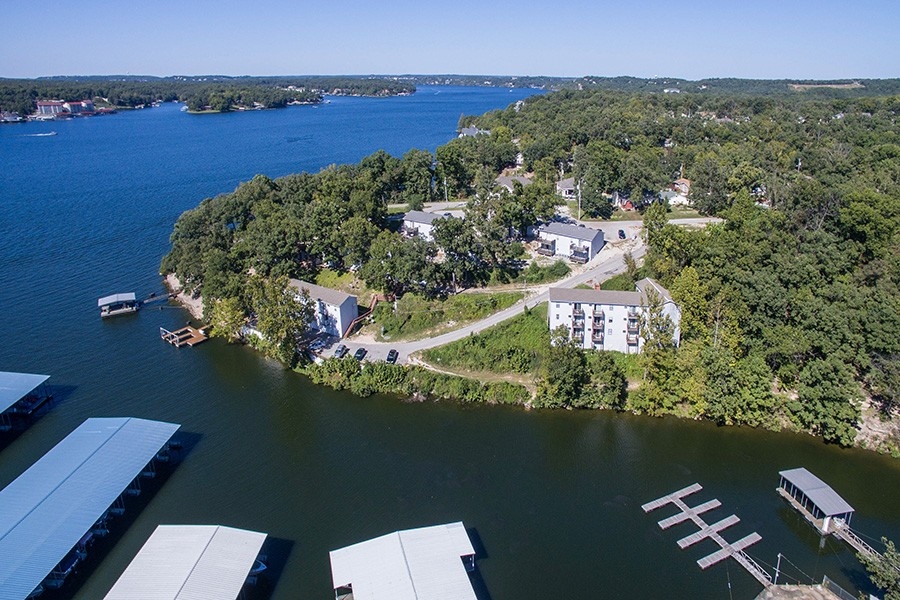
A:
(15, 386)
(49, 507)
(326, 295)
(821, 494)
(609, 297)
(418, 216)
(577, 232)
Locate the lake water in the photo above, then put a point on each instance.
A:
(554, 497)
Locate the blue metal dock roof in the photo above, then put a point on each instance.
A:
(15, 386)
(46, 511)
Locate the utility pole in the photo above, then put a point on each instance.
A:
(777, 570)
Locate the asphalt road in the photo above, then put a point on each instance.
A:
(607, 263)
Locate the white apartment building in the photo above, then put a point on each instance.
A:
(333, 310)
(576, 242)
(608, 320)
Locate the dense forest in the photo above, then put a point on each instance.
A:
(216, 93)
(791, 307)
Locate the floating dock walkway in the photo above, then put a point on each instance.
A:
(728, 549)
(186, 336)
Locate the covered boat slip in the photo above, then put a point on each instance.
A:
(190, 562)
(49, 509)
(416, 564)
(20, 393)
(117, 304)
(814, 498)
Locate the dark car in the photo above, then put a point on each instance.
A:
(360, 354)
(621, 234)
(341, 351)
(392, 356)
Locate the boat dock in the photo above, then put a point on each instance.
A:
(727, 549)
(186, 336)
(821, 506)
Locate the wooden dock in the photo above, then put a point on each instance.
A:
(727, 549)
(186, 336)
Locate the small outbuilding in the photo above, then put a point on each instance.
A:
(814, 498)
(415, 564)
(419, 223)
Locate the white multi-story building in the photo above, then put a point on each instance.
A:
(608, 320)
(576, 242)
(333, 310)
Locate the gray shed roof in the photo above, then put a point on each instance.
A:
(114, 298)
(190, 562)
(326, 295)
(15, 386)
(587, 234)
(416, 564)
(609, 297)
(418, 216)
(49, 507)
(821, 494)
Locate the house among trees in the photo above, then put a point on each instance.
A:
(565, 188)
(473, 131)
(509, 182)
(57, 107)
(333, 310)
(576, 242)
(419, 223)
(610, 320)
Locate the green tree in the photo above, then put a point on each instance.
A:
(563, 372)
(283, 317)
(828, 400)
(227, 318)
(884, 570)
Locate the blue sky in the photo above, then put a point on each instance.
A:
(794, 39)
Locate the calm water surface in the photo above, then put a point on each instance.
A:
(554, 497)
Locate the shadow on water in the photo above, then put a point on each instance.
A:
(276, 551)
(100, 545)
(481, 590)
(20, 423)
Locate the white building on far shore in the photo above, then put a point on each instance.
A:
(608, 320)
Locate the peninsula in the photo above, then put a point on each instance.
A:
(788, 309)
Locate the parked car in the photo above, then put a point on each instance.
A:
(622, 234)
(392, 356)
(360, 353)
(341, 351)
